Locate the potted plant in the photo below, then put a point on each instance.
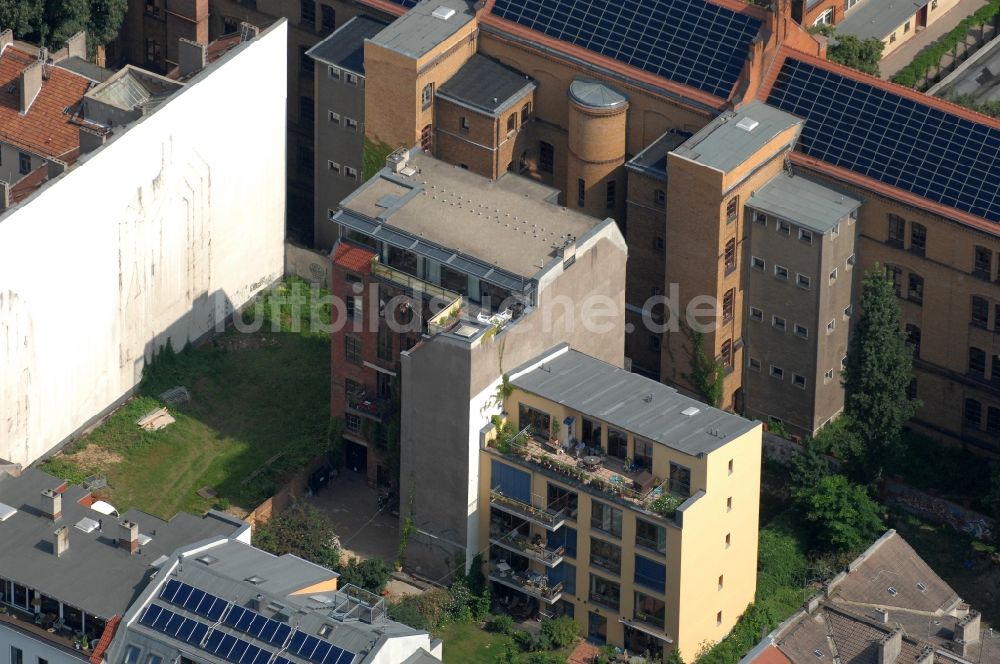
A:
(554, 435)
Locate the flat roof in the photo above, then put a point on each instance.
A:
(804, 202)
(508, 227)
(976, 77)
(345, 48)
(78, 65)
(875, 19)
(486, 85)
(94, 574)
(735, 136)
(629, 401)
(425, 26)
(653, 159)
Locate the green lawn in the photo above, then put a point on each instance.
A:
(254, 396)
(470, 644)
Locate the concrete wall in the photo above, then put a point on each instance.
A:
(313, 266)
(10, 163)
(152, 239)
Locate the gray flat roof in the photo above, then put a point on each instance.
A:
(803, 202)
(631, 402)
(419, 30)
(94, 574)
(724, 144)
(345, 48)
(653, 159)
(979, 76)
(508, 227)
(86, 68)
(486, 85)
(875, 19)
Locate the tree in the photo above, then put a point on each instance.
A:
(863, 55)
(807, 468)
(301, 530)
(106, 17)
(372, 574)
(844, 516)
(675, 657)
(706, 373)
(52, 22)
(878, 373)
(23, 17)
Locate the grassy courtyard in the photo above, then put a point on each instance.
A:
(259, 412)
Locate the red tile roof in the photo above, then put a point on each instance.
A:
(109, 632)
(353, 257)
(771, 655)
(45, 129)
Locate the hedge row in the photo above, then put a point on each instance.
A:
(916, 71)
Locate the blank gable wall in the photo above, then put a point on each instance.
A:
(151, 239)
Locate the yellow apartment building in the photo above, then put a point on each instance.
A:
(614, 499)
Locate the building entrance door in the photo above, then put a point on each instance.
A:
(922, 17)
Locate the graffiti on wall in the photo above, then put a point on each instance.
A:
(938, 510)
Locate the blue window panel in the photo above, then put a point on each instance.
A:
(650, 574)
(566, 537)
(215, 611)
(173, 625)
(183, 593)
(511, 482)
(239, 650)
(267, 633)
(346, 657)
(245, 621)
(194, 599)
(184, 633)
(322, 650)
(280, 634)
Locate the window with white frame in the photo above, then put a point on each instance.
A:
(826, 18)
(756, 314)
(850, 261)
(783, 227)
(333, 166)
(777, 372)
(781, 272)
(333, 73)
(756, 262)
(799, 381)
(831, 326)
(779, 322)
(803, 281)
(334, 118)
(806, 236)
(833, 275)
(828, 377)
(754, 364)
(350, 173)
(801, 331)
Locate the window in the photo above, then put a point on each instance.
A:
(980, 311)
(915, 291)
(427, 96)
(799, 381)
(756, 314)
(801, 331)
(604, 592)
(828, 376)
(649, 610)
(152, 51)
(777, 372)
(152, 659)
(152, 7)
(897, 230)
(308, 12)
(730, 256)
(546, 157)
(327, 18)
(606, 518)
(729, 500)
(730, 472)
(581, 192)
(896, 275)
(721, 581)
(803, 281)
(757, 263)
(230, 24)
(826, 18)
(831, 326)
(350, 173)
(333, 73)
(643, 457)
(680, 480)
(836, 229)
(892, 38)
(851, 260)
(993, 420)
(732, 208)
(977, 362)
(778, 322)
(783, 227)
(995, 371)
(650, 536)
(611, 196)
(617, 443)
(754, 364)
(729, 540)
(23, 163)
(781, 272)
(17, 655)
(650, 574)
(352, 422)
(973, 413)
(727, 304)
(913, 338)
(833, 275)
(906, 27)
(718, 616)
(851, 3)
(760, 218)
(727, 353)
(918, 238)
(806, 236)
(306, 109)
(384, 344)
(525, 113)
(306, 64)
(983, 265)
(333, 118)
(350, 79)
(350, 123)
(605, 555)
(660, 197)
(352, 349)
(512, 122)
(659, 243)
(538, 421)
(333, 166)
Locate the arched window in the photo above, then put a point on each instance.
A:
(973, 413)
(897, 230)
(977, 362)
(918, 238)
(427, 139)
(730, 256)
(980, 311)
(727, 353)
(915, 289)
(728, 301)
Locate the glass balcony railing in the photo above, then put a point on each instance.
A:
(545, 518)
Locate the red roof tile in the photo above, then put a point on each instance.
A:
(771, 655)
(353, 257)
(109, 632)
(45, 129)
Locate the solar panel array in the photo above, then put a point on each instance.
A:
(318, 651)
(193, 599)
(230, 648)
(693, 42)
(258, 626)
(895, 140)
(172, 624)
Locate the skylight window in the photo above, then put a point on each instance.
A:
(893, 591)
(256, 580)
(87, 525)
(921, 587)
(207, 559)
(6, 511)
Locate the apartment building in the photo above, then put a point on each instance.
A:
(449, 281)
(618, 501)
(69, 570)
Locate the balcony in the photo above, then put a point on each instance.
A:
(635, 488)
(533, 550)
(545, 518)
(530, 583)
(374, 407)
(411, 283)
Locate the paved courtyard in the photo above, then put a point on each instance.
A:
(353, 507)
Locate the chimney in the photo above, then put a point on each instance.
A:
(248, 31)
(60, 541)
(6, 38)
(191, 56)
(91, 139)
(30, 84)
(882, 615)
(967, 629)
(890, 647)
(926, 656)
(52, 504)
(77, 45)
(4, 204)
(128, 536)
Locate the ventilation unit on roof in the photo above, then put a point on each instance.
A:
(747, 124)
(443, 13)
(690, 410)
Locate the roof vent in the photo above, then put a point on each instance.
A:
(87, 525)
(747, 124)
(690, 410)
(256, 580)
(921, 587)
(648, 398)
(207, 559)
(818, 653)
(893, 591)
(443, 13)
(6, 511)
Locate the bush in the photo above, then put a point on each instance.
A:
(523, 639)
(844, 516)
(406, 612)
(544, 658)
(430, 605)
(502, 624)
(372, 574)
(561, 631)
(301, 530)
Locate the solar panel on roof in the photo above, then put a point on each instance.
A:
(258, 626)
(895, 140)
(193, 599)
(693, 42)
(173, 624)
(318, 651)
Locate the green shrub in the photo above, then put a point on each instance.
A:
(562, 631)
(407, 612)
(523, 639)
(372, 574)
(502, 624)
(544, 658)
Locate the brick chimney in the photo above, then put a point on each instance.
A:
(60, 541)
(890, 647)
(30, 84)
(191, 56)
(926, 656)
(52, 504)
(128, 536)
(967, 629)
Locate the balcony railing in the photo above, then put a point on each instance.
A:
(409, 282)
(545, 518)
(536, 551)
(530, 583)
(369, 405)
